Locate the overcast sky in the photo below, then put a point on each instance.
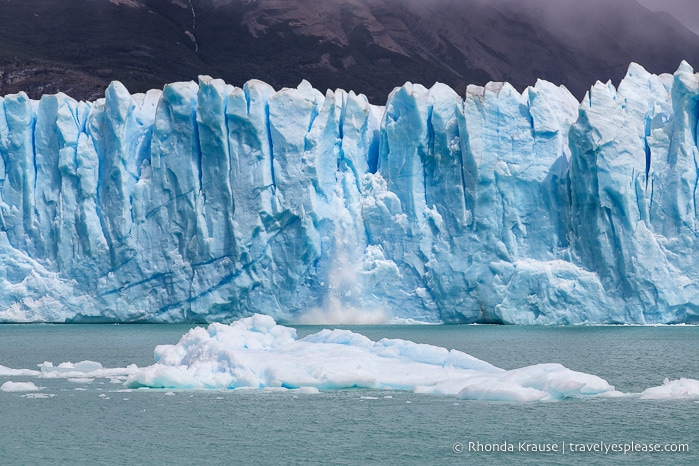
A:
(687, 11)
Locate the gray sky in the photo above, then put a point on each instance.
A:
(687, 11)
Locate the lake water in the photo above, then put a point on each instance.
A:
(94, 422)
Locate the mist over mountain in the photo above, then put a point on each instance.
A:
(369, 46)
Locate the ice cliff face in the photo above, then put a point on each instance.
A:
(209, 202)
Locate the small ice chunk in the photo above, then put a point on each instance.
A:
(10, 386)
(80, 380)
(681, 389)
(8, 372)
(39, 395)
(308, 390)
(84, 369)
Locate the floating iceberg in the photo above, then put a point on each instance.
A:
(255, 352)
(681, 389)
(83, 370)
(10, 386)
(8, 372)
(209, 202)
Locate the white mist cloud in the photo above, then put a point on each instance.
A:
(334, 312)
(686, 11)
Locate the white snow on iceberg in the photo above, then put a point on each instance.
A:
(681, 389)
(83, 369)
(9, 372)
(10, 386)
(255, 352)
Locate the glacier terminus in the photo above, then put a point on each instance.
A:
(208, 202)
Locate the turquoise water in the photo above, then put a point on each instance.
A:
(94, 423)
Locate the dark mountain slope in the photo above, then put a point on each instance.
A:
(370, 46)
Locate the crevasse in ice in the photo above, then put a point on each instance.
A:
(208, 202)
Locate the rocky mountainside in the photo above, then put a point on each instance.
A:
(370, 46)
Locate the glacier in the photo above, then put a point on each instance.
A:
(206, 202)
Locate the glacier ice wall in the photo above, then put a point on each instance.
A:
(208, 202)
